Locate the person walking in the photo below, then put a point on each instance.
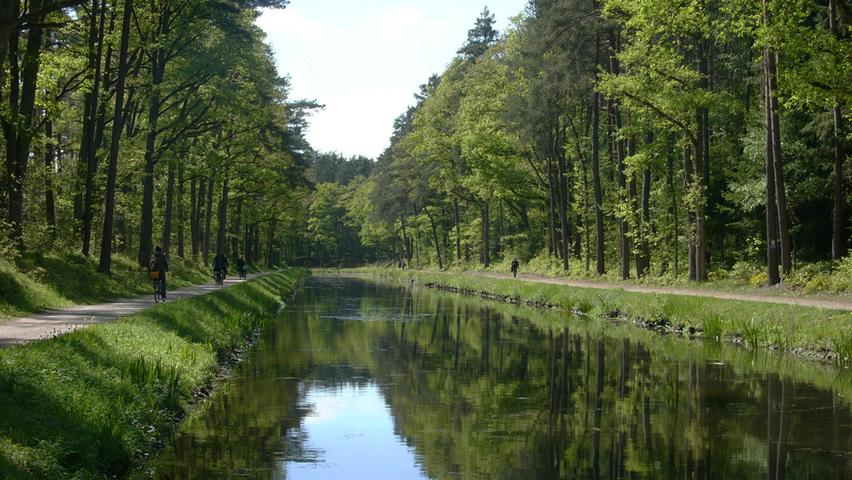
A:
(515, 267)
(160, 264)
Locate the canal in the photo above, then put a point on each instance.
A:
(360, 379)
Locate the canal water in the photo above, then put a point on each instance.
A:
(376, 381)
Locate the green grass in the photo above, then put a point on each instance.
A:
(92, 403)
(830, 280)
(758, 325)
(36, 282)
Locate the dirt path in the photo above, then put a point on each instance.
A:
(61, 321)
(805, 302)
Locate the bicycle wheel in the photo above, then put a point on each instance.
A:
(157, 291)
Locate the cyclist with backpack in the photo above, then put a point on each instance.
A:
(157, 268)
(220, 267)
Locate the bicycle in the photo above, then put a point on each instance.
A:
(219, 276)
(157, 285)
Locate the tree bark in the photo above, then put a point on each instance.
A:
(457, 221)
(770, 59)
(88, 149)
(208, 220)
(105, 263)
(237, 227)
(158, 69)
(562, 191)
(772, 253)
(181, 212)
(486, 227)
(49, 160)
(170, 194)
(838, 238)
(675, 220)
(18, 157)
(435, 237)
(688, 173)
(222, 218)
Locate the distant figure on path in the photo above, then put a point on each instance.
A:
(402, 264)
(515, 267)
(160, 264)
(220, 264)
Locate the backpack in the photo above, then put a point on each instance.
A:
(153, 265)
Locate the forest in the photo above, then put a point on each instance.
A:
(127, 125)
(626, 138)
(692, 139)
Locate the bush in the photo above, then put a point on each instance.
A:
(758, 279)
(841, 279)
(818, 283)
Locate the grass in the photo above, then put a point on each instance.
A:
(94, 403)
(36, 282)
(758, 325)
(830, 280)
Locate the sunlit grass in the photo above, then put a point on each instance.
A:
(36, 282)
(758, 325)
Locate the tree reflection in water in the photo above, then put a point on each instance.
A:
(481, 390)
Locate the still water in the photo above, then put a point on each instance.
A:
(366, 380)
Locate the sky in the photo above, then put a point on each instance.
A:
(365, 60)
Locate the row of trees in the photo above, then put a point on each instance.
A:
(128, 124)
(643, 136)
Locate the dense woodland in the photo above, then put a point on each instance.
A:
(630, 138)
(133, 124)
(619, 137)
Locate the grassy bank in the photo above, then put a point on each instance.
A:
(829, 280)
(36, 282)
(94, 403)
(802, 330)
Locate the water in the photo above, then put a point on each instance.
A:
(363, 380)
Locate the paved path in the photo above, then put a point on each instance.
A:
(691, 292)
(58, 322)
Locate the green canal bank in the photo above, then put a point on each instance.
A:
(97, 402)
(820, 333)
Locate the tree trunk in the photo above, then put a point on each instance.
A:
(222, 218)
(551, 207)
(181, 212)
(486, 227)
(600, 265)
(458, 229)
(88, 149)
(105, 263)
(675, 220)
(772, 244)
(271, 259)
(17, 158)
(170, 194)
(562, 188)
(435, 237)
(770, 58)
(235, 239)
(208, 220)
(645, 246)
(49, 160)
(838, 237)
(158, 69)
(690, 214)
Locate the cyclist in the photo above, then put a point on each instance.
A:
(220, 264)
(160, 264)
(242, 267)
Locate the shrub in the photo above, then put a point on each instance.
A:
(758, 279)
